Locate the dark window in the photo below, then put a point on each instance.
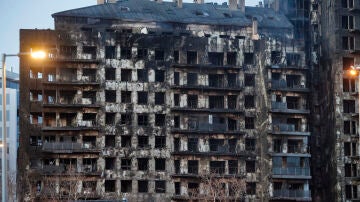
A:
(292, 59)
(349, 106)
(110, 163)
(159, 119)
(126, 53)
(217, 167)
(125, 96)
(159, 98)
(109, 141)
(160, 186)
(110, 186)
(216, 80)
(142, 119)
(348, 43)
(68, 51)
(250, 144)
(142, 53)
(249, 122)
(349, 85)
(193, 144)
(250, 188)
(275, 57)
(347, 22)
(110, 73)
(125, 141)
(216, 102)
(249, 101)
(110, 96)
(193, 166)
(176, 100)
(126, 186)
(177, 188)
(348, 191)
(233, 166)
(110, 118)
(177, 166)
(126, 119)
(143, 142)
(232, 101)
(126, 164)
(192, 101)
(143, 186)
(350, 127)
(216, 58)
(160, 142)
(231, 58)
(347, 149)
(126, 75)
(176, 78)
(159, 75)
(142, 75)
(176, 56)
(191, 57)
(110, 52)
(250, 166)
(347, 63)
(143, 164)
(176, 121)
(176, 144)
(160, 164)
(347, 3)
(159, 55)
(142, 97)
(248, 58)
(192, 79)
(249, 79)
(232, 126)
(90, 50)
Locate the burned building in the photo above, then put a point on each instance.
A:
(145, 99)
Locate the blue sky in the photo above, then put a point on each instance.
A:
(31, 14)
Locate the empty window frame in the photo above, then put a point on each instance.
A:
(159, 75)
(109, 141)
(191, 57)
(142, 97)
(159, 98)
(159, 119)
(349, 85)
(160, 186)
(350, 127)
(142, 75)
(159, 54)
(110, 186)
(231, 58)
(348, 43)
(143, 120)
(233, 166)
(248, 58)
(125, 141)
(217, 167)
(126, 186)
(193, 144)
(143, 164)
(110, 118)
(126, 75)
(143, 186)
(90, 50)
(347, 63)
(216, 58)
(249, 101)
(176, 121)
(110, 73)
(160, 142)
(347, 3)
(160, 164)
(193, 166)
(142, 53)
(126, 53)
(249, 122)
(249, 80)
(68, 51)
(216, 102)
(349, 106)
(250, 144)
(293, 59)
(110, 52)
(126, 119)
(232, 101)
(176, 100)
(110, 95)
(110, 163)
(192, 79)
(125, 164)
(350, 149)
(275, 57)
(143, 142)
(176, 56)
(250, 188)
(192, 101)
(176, 78)
(125, 96)
(250, 166)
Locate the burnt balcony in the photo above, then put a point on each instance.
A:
(90, 170)
(206, 66)
(208, 128)
(303, 195)
(68, 147)
(223, 87)
(72, 102)
(283, 85)
(73, 80)
(80, 125)
(221, 151)
(282, 107)
(288, 129)
(192, 108)
(291, 173)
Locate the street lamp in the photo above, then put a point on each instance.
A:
(35, 55)
(355, 70)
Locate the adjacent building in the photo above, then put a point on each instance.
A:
(150, 100)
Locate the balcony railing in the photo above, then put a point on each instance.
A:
(227, 87)
(281, 84)
(296, 171)
(286, 193)
(282, 107)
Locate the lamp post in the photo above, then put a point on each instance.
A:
(35, 55)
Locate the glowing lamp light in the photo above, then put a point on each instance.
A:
(353, 72)
(38, 54)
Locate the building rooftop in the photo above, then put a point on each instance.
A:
(190, 13)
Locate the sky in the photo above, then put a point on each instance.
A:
(32, 14)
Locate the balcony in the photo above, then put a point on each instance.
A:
(224, 87)
(206, 66)
(82, 102)
(207, 110)
(282, 107)
(282, 85)
(293, 150)
(80, 125)
(84, 80)
(222, 151)
(207, 128)
(288, 129)
(68, 147)
(292, 194)
(291, 173)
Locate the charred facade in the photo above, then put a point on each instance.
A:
(143, 99)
